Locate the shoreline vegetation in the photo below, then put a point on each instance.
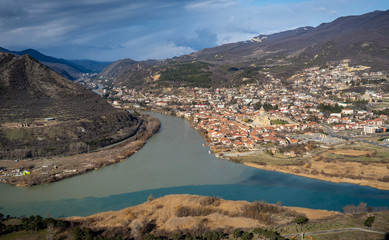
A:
(183, 216)
(371, 174)
(47, 170)
(335, 179)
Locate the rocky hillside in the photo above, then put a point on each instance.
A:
(70, 69)
(364, 39)
(44, 114)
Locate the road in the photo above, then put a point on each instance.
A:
(334, 134)
(339, 231)
(121, 141)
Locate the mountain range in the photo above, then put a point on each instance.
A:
(71, 69)
(364, 39)
(44, 114)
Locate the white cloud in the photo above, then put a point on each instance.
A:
(167, 50)
(231, 37)
(209, 4)
(156, 29)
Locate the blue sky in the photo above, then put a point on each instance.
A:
(156, 29)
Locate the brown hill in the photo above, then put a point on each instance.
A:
(195, 215)
(44, 114)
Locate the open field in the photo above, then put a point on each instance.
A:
(352, 152)
(356, 163)
(266, 159)
(358, 152)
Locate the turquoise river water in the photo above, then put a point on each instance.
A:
(175, 162)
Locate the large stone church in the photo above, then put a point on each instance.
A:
(262, 119)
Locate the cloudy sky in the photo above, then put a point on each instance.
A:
(155, 29)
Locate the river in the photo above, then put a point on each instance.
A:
(175, 162)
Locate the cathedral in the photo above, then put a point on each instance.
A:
(262, 119)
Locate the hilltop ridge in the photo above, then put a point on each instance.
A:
(363, 39)
(70, 69)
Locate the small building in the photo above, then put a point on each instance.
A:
(338, 115)
(162, 104)
(347, 111)
(369, 129)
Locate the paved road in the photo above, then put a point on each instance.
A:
(122, 141)
(338, 231)
(334, 134)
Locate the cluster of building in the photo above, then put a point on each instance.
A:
(13, 173)
(235, 118)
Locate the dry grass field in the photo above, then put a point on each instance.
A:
(356, 163)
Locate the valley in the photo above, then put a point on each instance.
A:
(283, 136)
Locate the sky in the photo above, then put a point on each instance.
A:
(109, 30)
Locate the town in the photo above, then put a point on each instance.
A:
(318, 107)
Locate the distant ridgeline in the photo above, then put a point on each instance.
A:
(70, 69)
(44, 114)
(364, 39)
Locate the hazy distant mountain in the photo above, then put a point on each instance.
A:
(70, 69)
(31, 92)
(364, 39)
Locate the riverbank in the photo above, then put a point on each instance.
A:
(296, 170)
(46, 170)
(354, 163)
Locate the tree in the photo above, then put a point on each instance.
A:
(212, 235)
(361, 208)
(257, 106)
(267, 106)
(369, 221)
(136, 113)
(349, 208)
(77, 233)
(300, 220)
(237, 233)
(247, 236)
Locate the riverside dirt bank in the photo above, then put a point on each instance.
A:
(335, 179)
(46, 170)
